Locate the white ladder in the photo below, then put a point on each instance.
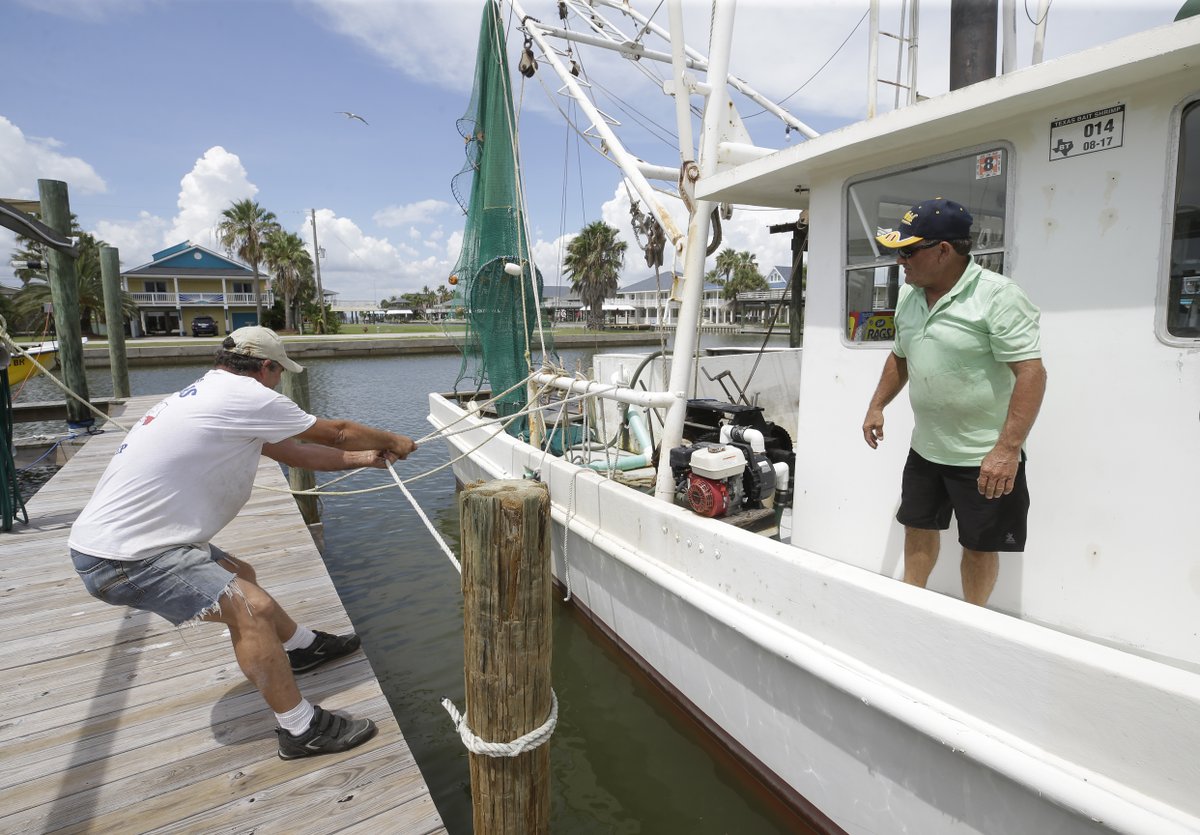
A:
(906, 46)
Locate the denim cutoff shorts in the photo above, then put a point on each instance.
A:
(178, 584)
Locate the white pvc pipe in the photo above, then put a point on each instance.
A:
(650, 399)
(1039, 32)
(1008, 54)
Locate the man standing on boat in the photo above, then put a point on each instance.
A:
(967, 343)
(182, 474)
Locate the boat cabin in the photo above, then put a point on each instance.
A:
(1083, 176)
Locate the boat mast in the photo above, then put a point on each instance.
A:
(686, 333)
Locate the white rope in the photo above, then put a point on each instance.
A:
(523, 743)
(437, 536)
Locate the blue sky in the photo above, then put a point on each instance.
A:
(158, 113)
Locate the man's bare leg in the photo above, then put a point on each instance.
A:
(920, 554)
(251, 615)
(285, 627)
(979, 572)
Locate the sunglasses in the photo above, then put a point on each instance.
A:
(910, 251)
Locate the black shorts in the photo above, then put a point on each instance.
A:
(931, 491)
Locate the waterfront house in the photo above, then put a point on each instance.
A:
(187, 280)
(650, 302)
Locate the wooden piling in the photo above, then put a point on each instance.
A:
(64, 290)
(507, 641)
(110, 274)
(295, 387)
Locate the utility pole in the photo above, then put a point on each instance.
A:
(317, 264)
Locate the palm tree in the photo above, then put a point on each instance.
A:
(746, 278)
(32, 298)
(593, 263)
(243, 229)
(287, 258)
(727, 261)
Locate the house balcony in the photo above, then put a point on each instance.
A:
(179, 300)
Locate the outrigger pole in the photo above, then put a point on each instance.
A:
(695, 244)
(686, 332)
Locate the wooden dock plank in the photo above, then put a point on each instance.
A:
(116, 721)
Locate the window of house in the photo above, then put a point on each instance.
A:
(977, 180)
(156, 287)
(1183, 288)
(243, 287)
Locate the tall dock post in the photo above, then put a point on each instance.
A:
(110, 274)
(295, 387)
(64, 290)
(507, 641)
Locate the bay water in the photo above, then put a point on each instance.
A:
(623, 758)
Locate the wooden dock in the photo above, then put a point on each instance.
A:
(113, 721)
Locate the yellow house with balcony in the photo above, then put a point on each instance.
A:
(187, 280)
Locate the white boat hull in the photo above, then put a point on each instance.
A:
(888, 708)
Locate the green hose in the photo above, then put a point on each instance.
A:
(11, 502)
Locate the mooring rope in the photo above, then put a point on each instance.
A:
(525, 742)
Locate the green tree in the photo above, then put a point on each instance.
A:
(746, 278)
(593, 263)
(243, 229)
(287, 258)
(31, 299)
(727, 261)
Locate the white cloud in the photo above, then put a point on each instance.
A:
(217, 179)
(429, 40)
(359, 266)
(26, 159)
(89, 10)
(423, 211)
(135, 239)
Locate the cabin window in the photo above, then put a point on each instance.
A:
(978, 180)
(1183, 297)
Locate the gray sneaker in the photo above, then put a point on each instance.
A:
(329, 733)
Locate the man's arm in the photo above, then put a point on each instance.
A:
(348, 435)
(324, 458)
(891, 382)
(999, 468)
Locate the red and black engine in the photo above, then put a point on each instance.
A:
(735, 461)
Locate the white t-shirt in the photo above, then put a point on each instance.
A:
(187, 468)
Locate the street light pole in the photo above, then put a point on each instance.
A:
(317, 263)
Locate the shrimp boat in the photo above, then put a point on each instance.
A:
(1071, 702)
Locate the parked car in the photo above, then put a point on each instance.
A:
(204, 326)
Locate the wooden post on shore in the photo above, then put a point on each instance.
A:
(295, 387)
(114, 319)
(64, 291)
(507, 641)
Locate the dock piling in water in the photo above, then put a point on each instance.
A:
(295, 388)
(507, 641)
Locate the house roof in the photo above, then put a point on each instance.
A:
(187, 258)
(653, 283)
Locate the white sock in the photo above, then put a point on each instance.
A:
(301, 640)
(296, 720)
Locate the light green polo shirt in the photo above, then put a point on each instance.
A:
(959, 381)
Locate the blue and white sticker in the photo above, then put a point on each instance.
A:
(1087, 133)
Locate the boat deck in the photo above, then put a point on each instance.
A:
(115, 721)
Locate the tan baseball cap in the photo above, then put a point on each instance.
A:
(264, 343)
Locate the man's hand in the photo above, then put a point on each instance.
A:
(873, 427)
(401, 447)
(998, 472)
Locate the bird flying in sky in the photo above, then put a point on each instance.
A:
(350, 115)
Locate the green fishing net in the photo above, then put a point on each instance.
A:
(501, 310)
